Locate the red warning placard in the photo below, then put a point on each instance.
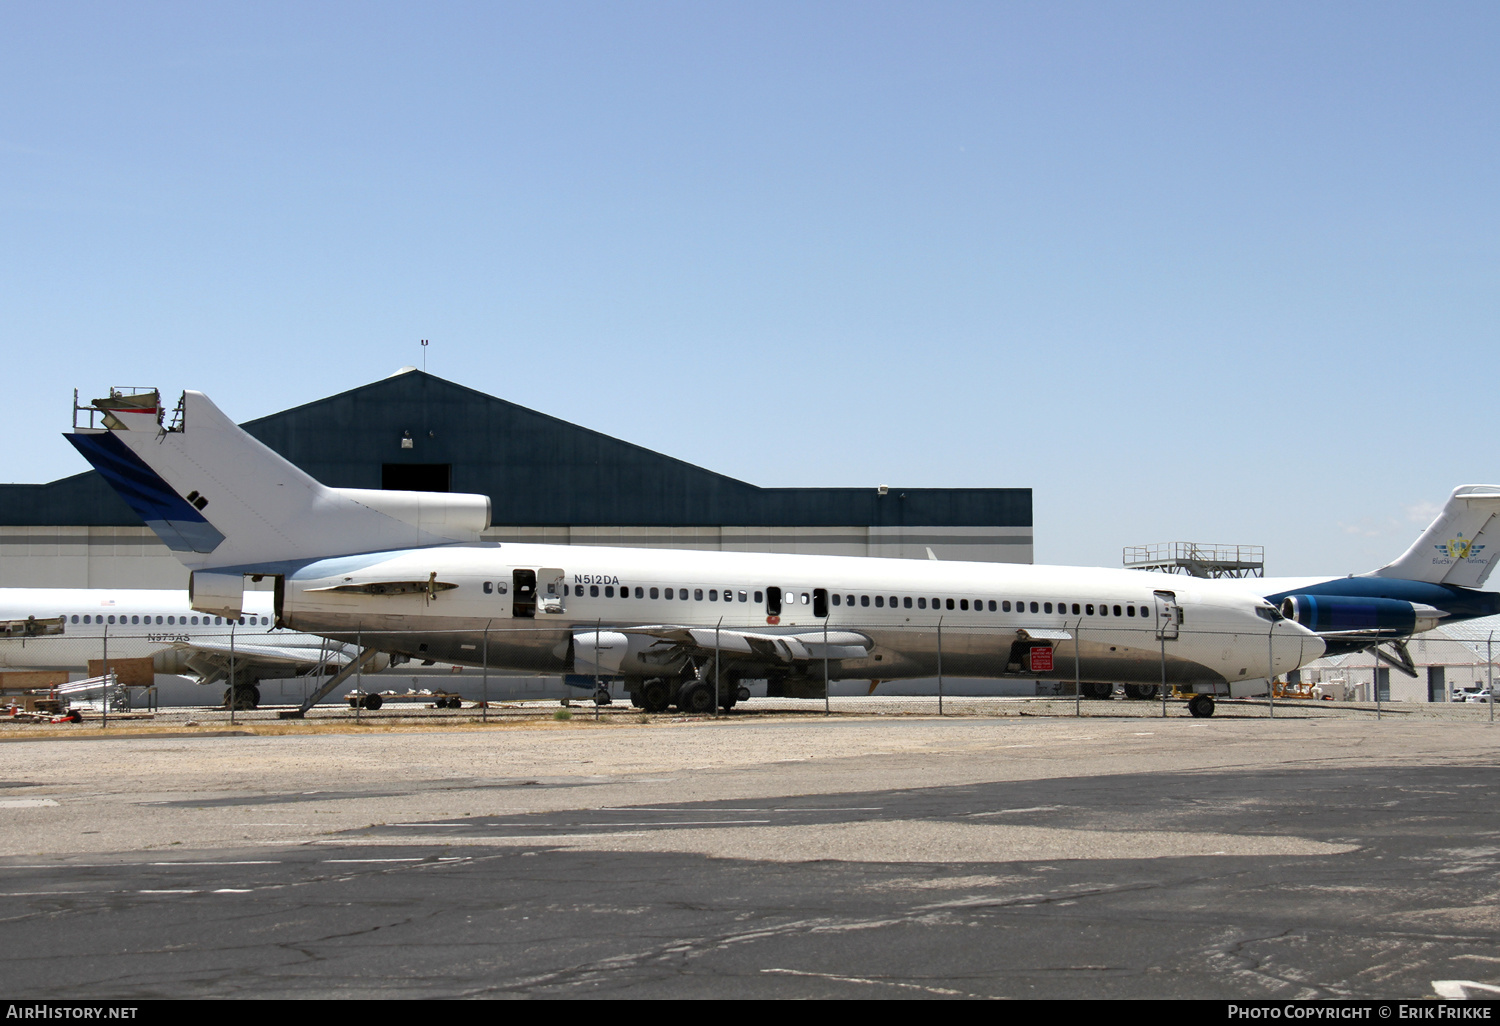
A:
(1041, 660)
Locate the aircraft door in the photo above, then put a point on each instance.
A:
(552, 591)
(523, 583)
(1168, 615)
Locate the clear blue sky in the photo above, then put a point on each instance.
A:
(1213, 271)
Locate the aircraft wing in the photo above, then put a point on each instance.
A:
(760, 647)
(671, 643)
(211, 661)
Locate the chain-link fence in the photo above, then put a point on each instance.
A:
(255, 673)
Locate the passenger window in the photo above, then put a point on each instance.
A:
(906, 602)
(653, 593)
(849, 600)
(1130, 610)
(697, 594)
(992, 605)
(742, 596)
(1033, 607)
(1005, 606)
(921, 603)
(1117, 610)
(1047, 607)
(489, 587)
(950, 603)
(864, 600)
(879, 601)
(806, 598)
(713, 594)
(837, 599)
(1075, 608)
(757, 597)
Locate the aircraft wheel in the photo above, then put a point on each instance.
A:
(696, 698)
(373, 702)
(1141, 692)
(1096, 690)
(1201, 706)
(242, 698)
(655, 696)
(455, 702)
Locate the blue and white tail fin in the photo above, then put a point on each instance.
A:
(1460, 547)
(220, 499)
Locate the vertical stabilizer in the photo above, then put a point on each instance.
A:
(219, 498)
(1459, 547)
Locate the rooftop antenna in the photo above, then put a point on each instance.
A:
(424, 356)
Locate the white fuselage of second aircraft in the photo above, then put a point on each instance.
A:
(545, 608)
(134, 624)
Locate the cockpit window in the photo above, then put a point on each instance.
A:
(1268, 613)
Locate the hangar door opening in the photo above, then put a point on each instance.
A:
(416, 477)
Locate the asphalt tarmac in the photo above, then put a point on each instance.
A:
(1318, 858)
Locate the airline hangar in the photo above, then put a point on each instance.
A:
(548, 481)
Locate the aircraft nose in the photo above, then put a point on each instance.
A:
(1312, 645)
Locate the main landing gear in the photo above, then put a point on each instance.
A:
(245, 696)
(1201, 706)
(693, 695)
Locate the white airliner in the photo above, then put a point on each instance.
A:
(66, 628)
(405, 572)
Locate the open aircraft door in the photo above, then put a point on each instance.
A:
(551, 591)
(1168, 615)
(541, 592)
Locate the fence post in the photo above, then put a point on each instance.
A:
(484, 685)
(234, 694)
(1077, 671)
(940, 664)
(1271, 669)
(827, 708)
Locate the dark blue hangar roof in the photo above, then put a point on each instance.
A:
(415, 430)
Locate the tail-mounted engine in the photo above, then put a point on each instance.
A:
(1336, 614)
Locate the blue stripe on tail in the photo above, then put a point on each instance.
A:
(174, 520)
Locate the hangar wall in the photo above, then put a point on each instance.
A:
(548, 480)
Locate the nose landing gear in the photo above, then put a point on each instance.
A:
(1201, 706)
